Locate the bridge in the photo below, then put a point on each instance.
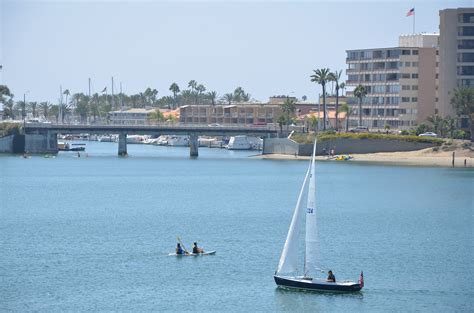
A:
(50, 131)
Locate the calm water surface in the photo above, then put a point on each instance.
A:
(93, 233)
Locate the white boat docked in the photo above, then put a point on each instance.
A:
(239, 143)
(178, 141)
(136, 139)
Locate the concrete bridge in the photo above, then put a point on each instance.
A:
(49, 132)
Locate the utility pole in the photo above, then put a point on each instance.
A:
(89, 87)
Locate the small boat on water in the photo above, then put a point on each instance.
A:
(193, 254)
(286, 275)
(178, 141)
(65, 146)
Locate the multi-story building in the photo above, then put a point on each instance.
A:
(139, 116)
(255, 114)
(456, 55)
(400, 82)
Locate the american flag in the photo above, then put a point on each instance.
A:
(411, 12)
(361, 279)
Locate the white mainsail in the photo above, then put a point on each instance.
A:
(288, 259)
(311, 238)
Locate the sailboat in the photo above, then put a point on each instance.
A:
(286, 275)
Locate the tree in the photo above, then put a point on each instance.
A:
(288, 108)
(450, 124)
(193, 85)
(321, 77)
(45, 107)
(4, 93)
(228, 97)
(21, 107)
(200, 89)
(174, 88)
(463, 102)
(437, 122)
(80, 102)
(156, 116)
(64, 106)
(9, 109)
(33, 106)
(360, 92)
(281, 121)
(246, 97)
(54, 112)
(212, 96)
(238, 94)
(347, 109)
(313, 122)
(335, 77)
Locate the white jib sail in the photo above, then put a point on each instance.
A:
(289, 256)
(311, 238)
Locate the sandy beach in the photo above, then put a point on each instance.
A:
(426, 157)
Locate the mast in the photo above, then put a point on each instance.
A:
(121, 98)
(113, 102)
(311, 230)
(60, 103)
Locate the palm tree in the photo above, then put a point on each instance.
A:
(321, 77)
(313, 122)
(463, 102)
(437, 122)
(450, 124)
(54, 112)
(156, 116)
(238, 94)
(44, 107)
(4, 91)
(335, 77)
(360, 92)
(63, 108)
(193, 85)
(33, 106)
(212, 96)
(174, 88)
(200, 89)
(246, 97)
(347, 109)
(281, 120)
(229, 97)
(288, 108)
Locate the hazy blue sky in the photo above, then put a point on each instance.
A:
(266, 47)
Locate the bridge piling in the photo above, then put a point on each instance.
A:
(193, 145)
(122, 144)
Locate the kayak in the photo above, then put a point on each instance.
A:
(194, 254)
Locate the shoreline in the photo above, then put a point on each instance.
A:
(421, 158)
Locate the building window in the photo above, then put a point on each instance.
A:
(414, 76)
(414, 99)
(437, 75)
(466, 18)
(465, 82)
(414, 64)
(466, 70)
(405, 87)
(405, 75)
(466, 57)
(466, 44)
(407, 64)
(466, 31)
(414, 52)
(405, 99)
(414, 87)
(406, 52)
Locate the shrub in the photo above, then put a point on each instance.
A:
(7, 128)
(309, 138)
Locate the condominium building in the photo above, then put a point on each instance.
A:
(456, 55)
(400, 82)
(256, 114)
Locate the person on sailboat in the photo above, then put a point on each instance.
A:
(331, 277)
(196, 249)
(179, 249)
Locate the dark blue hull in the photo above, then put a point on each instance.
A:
(315, 285)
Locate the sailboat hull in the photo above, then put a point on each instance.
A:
(316, 285)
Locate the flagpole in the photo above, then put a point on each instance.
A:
(414, 14)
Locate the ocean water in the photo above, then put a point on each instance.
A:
(93, 233)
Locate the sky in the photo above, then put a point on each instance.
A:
(266, 47)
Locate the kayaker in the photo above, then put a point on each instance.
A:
(196, 249)
(179, 249)
(331, 277)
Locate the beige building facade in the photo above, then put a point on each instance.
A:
(400, 82)
(456, 55)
